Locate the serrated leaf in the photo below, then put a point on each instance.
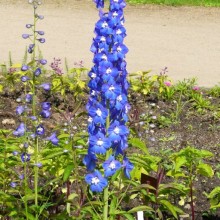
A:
(205, 170)
(215, 192)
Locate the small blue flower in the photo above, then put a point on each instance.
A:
(111, 166)
(41, 40)
(99, 114)
(96, 181)
(20, 130)
(29, 25)
(99, 3)
(15, 153)
(37, 72)
(25, 78)
(39, 165)
(40, 130)
(46, 86)
(20, 109)
(116, 131)
(45, 113)
(41, 17)
(46, 105)
(31, 48)
(128, 167)
(33, 118)
(25, 145)
(25, 157)
(40, 32)
(21, 176)
(99, 143)
(25, 36)
(13, 184)
(43, 61)
(53, 139)
(90, 161)
(24, 68)
(28, 98)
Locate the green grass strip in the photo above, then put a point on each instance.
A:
(206, 3)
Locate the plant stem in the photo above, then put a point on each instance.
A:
(106, 193)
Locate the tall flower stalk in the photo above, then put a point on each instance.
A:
(108, 105)
(30, 73)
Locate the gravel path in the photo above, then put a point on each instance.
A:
(185, 39)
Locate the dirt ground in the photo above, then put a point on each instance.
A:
(185, 39)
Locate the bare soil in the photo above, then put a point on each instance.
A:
(185, 39)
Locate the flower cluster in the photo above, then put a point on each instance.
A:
(28, 107)
(108, 105)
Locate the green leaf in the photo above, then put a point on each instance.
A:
(141, 208)
(215, 192)
(205, 170)
(67, 172)
(170, 207)
(136, 142)
(179, 162)
(128, 216)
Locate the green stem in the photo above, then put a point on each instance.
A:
(106, 193)
(36, 144)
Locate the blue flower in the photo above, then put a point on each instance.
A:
(24, 68)
(41, 40)
(25, 36)
(13, 184)
(111, 166)
(99, 3)
(43, 61)
(39, 165)
(96, 181)
(40, 32)
(25, 157)
(25, 78)
(46, 105)
(53, 139)
(15, 153)
(37, 72)
(46, 86)
(20, 130)
(90, 161)
(99, 143)
(29, 25)
(99, 114)
(127, 167)
(21, 176)
(40, 130)
(41, 17)
(116, 131)
(111, 90)
(45, 113)
(28, 98)
(20, 109)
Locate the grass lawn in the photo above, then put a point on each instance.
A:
(212, 3)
